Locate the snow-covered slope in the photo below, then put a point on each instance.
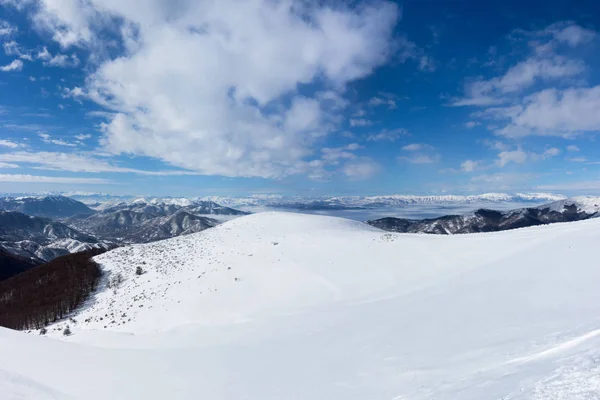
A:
(289, 306)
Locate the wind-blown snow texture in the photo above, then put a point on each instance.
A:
(290, 306)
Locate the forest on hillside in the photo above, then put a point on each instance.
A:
(45, 294)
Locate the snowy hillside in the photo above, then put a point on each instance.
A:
(290, 306)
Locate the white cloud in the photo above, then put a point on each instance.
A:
(420, 159)
(426, 63)
(83, 136)
(552, 152)
(565, 32)
(47, 138)
(501, 181)
(376, 101)
(9, 143)
(209, 86)
(360, 122)
(572, 148)
(555, 112)
(519, 77)
(516, 156)
(417, 147)
(360, 169)
(81, 162)
(12, 48)
(32, 78)
(15, 65)
(420, 154)
(519, 156)
(19, 178)
(578, 159)
(8, 165)
(472, 124)
(387, 135)
(6, 29)
(469, 165)
(58, 60)
(334, 154)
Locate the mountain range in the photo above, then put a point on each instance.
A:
(45, 206)
(75, 227)
(39, 239)
(485, 220)
(353, 202)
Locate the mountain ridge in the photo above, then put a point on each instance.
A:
(487, 220)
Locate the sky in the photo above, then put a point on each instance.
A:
(307, 98)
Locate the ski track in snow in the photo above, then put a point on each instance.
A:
(289, 306)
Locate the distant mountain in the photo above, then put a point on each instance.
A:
(11, 265)
(41, 239)
(365, 202)
(45, 206)
(146, 220)
(484, 220)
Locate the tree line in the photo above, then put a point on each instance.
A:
(50, 292)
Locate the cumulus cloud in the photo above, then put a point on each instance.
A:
(214, 86)
(517, 101)
(57, 60)
(12, 48)
(519, 77)
(15, 65)
(554, 112)
(572, 148)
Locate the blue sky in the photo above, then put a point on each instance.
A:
(194, 98)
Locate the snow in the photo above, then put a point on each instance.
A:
(587, 204)
(292, 306)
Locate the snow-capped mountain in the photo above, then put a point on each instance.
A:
(277, 305)
(45, 206)
(143, 220)
(484, 220)
(41, 239)
(346, 202)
